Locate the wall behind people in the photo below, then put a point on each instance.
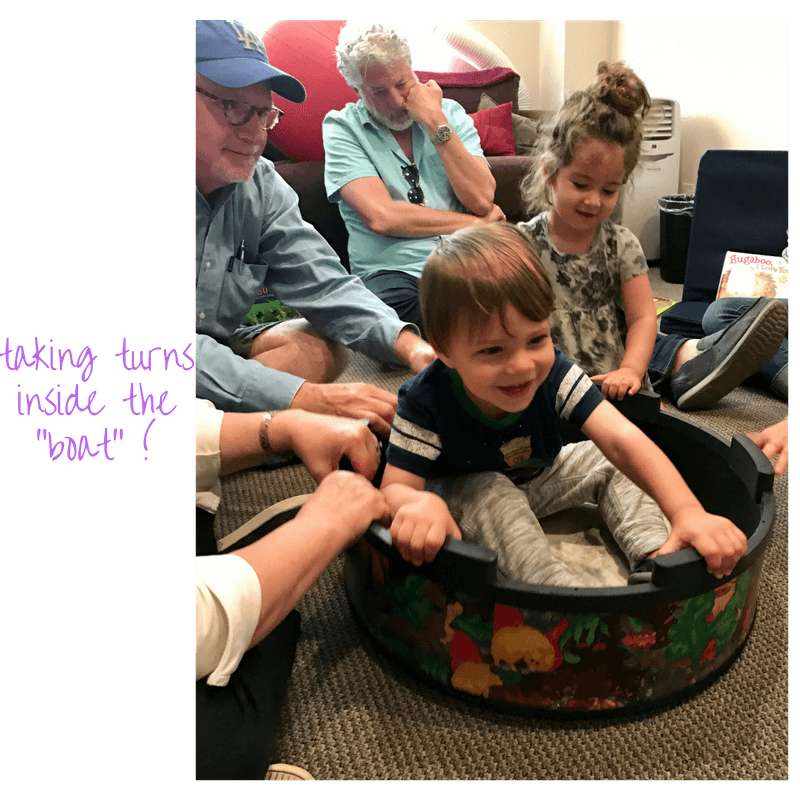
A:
(731, 77)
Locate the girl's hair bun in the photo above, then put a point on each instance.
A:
(609, 110)
(618, 86)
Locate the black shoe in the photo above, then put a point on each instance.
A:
(743, 349)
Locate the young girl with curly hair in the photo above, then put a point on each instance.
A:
(604, 316)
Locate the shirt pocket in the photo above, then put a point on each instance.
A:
(241, 285)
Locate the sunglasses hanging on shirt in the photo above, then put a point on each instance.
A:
(415, 194)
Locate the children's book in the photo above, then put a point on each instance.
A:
(662, 304)
(749, 275)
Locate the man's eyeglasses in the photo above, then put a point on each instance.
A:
(240, 114)
(411, 174)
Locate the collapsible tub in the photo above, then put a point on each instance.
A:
(459, 624)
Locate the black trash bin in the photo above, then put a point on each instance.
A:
(676, 222)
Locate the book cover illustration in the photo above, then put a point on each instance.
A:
(749, 275)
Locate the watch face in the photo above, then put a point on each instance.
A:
(443, 134)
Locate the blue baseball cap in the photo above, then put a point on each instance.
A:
(232, 56)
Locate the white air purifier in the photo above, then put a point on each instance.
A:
(657, 175)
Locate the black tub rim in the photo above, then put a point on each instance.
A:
(472, 568)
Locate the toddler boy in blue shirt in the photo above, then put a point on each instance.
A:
(474, 448)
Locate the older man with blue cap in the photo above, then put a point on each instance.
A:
(250, 235)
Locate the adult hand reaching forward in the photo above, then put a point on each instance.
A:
(355, 400)
(347, 503)
(321, 441)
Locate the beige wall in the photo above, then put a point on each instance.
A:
(730, 78)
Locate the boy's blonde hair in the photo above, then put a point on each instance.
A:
(475, 273)
(611, 109)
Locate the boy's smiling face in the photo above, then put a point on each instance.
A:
(502, 366)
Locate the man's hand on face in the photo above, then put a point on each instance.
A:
(424, 104)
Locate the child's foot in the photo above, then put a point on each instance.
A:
(642, 573)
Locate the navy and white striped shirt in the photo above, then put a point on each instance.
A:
(439, 431)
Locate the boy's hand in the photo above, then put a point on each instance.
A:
(618, 383)
(716, 538)
(421, 526)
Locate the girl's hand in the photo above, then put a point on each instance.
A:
(616, 384)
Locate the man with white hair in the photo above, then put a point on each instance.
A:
(404, 165)
(249, 234)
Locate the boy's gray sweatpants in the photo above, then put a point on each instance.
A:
(492, 510)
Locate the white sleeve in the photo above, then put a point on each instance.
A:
(208, 422)
(228, 597)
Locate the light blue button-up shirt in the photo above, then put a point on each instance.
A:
(298, 266)
(357, 147)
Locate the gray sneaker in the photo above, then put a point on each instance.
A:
(743, 349)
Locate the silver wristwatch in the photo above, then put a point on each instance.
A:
(442, 134)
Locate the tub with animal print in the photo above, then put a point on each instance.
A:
(460, 625)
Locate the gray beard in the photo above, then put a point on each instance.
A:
(388, 123)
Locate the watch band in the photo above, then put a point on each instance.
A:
(263, 437)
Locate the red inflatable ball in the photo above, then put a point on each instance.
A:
(306, 49)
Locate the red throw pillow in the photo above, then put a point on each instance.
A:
(495, 129)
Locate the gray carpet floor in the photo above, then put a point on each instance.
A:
(351, 714)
